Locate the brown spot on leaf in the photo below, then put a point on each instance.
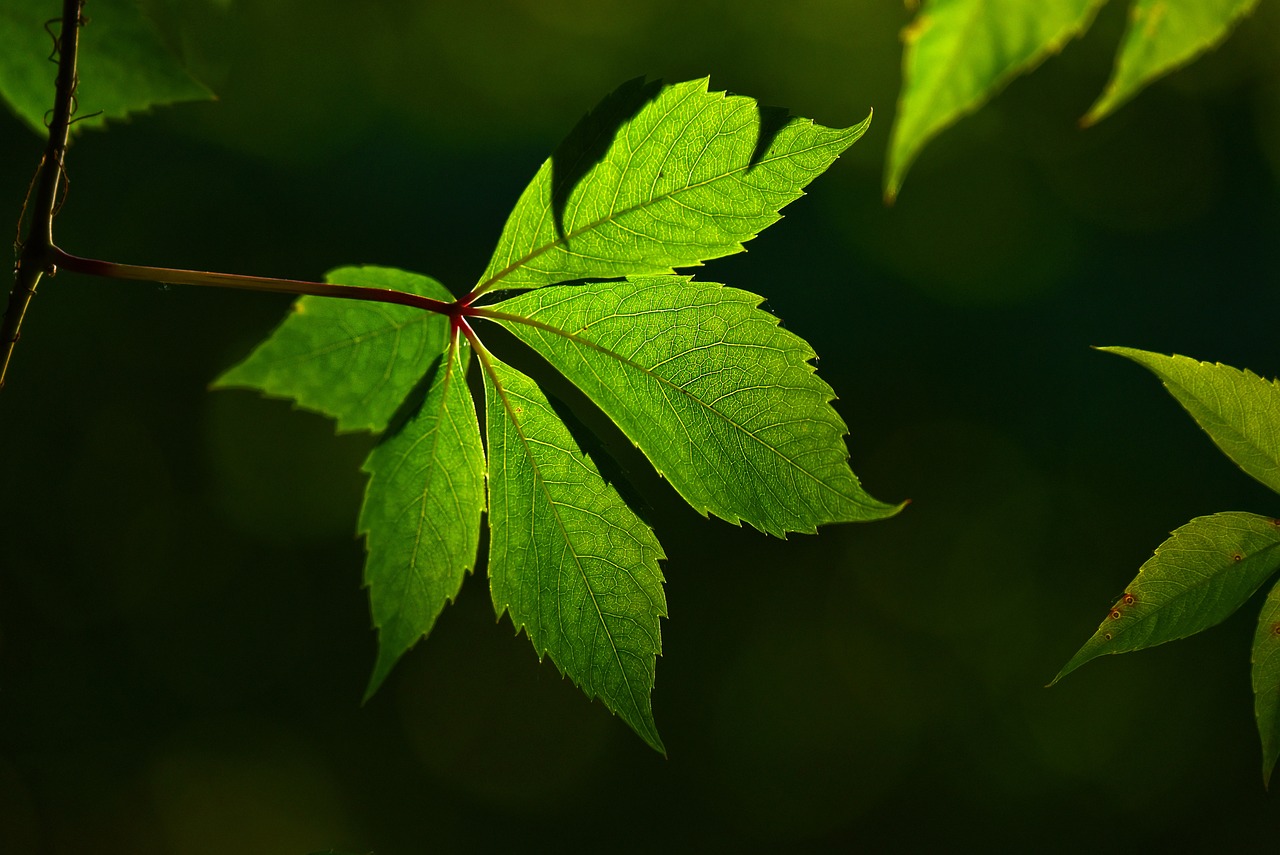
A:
(1115, 614)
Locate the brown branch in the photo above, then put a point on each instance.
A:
(171, 276)
(36, 255)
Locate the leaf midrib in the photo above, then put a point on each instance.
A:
(542, 325)
(1201, 582)
(489, 283)
(555, 510)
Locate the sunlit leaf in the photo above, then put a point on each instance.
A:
(1196, 579)
(421, 513)
(124, 67)
(723, 401)
(355, 361)
(959, 53)
(1238, 409)
(572, 564)
(657, 179)
(1162, 36)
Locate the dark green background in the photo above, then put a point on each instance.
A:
(183, 638)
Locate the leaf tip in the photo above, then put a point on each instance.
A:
(380, 672)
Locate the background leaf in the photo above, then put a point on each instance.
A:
(353, 360)
(123, 65)
(1266, 681)
(421, 513)
(722, 400)
(1195, 579)
(1238, 409)
(572, 564)
(1162, 36)
(958, 53)
(688, 176)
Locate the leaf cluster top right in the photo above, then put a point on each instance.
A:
(959, 53)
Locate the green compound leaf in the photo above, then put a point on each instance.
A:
(723, 401)
(959, 53)
(421, 513)
(1196, 579)
(123, 65)
(1162, 36)
(355, 361)
(571, 563)
(1238, 409)
(1266, 681)
(655, 179)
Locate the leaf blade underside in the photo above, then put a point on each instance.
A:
(568, 560)
(690, 176)
(355, 361)
(1265, 674)
(1238, 409)
(421, 513)
(1197, 578)
(722, 400)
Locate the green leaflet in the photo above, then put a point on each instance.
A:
(355, 361)
(658, 179)
(1266, 681)
(1162, 36)
(722, 400)
(959, 53)
(1211, 565)
(1238, 409)
(1195, 579)
(123, 65)
(421, 513)
(576, 569)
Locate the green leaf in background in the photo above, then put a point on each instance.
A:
(656, 179)
(421, 513)
(124, 67)
(722, 400)
(1266, 681)
(959, 53)
(572, 564)
(352, 360)
(1196, 579)
(1238, 409)
(1162, 36)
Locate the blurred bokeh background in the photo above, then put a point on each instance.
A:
(183, 637)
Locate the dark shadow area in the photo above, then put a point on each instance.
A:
(620, 463)
(413, 401)
(590, 139)
(772, 121)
